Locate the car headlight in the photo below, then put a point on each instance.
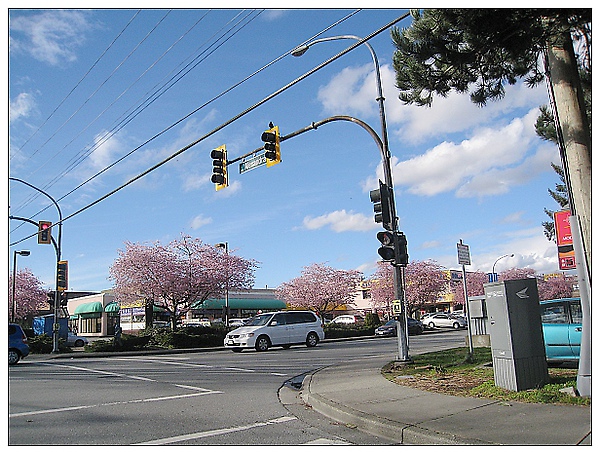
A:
(247, 335)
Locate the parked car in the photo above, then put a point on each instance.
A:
(348, 319)
(283, 328)
(561, 324)
(389, 329)
(237, 322)
(441, 319)
(73, 340)
(18, 347)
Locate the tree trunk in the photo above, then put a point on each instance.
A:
(149, 312)
(576, 136)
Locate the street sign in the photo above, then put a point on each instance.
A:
(564, 240)
(253, 163)
(464, 257)
(396, 307)
(492, 277)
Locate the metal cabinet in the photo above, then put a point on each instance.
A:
(518, 353)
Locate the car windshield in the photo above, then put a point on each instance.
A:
(259, 320)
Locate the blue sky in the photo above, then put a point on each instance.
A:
(460, 171)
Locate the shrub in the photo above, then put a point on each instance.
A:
(337, 331)
(372, 320)
(40, 344)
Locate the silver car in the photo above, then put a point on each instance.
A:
(441, 319)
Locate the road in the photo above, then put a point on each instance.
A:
(206, 398)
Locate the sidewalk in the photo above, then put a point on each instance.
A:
(358, 395)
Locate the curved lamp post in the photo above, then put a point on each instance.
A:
(14, 280)
(387, 172)
(55, 328)
(500, 258)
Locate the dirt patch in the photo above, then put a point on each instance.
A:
(428, 378)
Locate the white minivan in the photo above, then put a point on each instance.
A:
(277, 329)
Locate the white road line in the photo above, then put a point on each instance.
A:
(103, 372)
(105, 404)
(215, 432)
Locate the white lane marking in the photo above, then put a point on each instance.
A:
(215, 432)
(103, 372)
(327, 442)
(106, 404)
(203, 366)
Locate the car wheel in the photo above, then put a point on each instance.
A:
(431, 325)
(78, 343)
(455, 325)
(13, 357)
(262, 344)
(312, 340)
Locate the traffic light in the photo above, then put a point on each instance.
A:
(393, 248)
(62, 275)
(219, 176)
(387, 250)
(44, 232)
(382, 206)
(401, 249)
(272, 151)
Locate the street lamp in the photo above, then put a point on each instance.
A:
(14, 279)
(498, 259)
(226, 247)
(387, 173)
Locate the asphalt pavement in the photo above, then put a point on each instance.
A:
(357, 395)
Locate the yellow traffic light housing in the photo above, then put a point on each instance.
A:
(44, 232)
(272, 149)
(219, 176)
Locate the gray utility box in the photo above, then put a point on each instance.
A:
(515, 325)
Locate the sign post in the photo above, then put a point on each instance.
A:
(464, 258)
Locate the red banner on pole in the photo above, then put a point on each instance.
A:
(564, 240)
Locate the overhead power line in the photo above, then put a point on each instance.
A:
(231, 120)
(199, 108)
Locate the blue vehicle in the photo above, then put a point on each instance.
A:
(17, 344)
(561, 323)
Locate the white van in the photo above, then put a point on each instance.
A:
(277, 329)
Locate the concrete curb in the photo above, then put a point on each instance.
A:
(375, 425)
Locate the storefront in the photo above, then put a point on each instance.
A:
(94, 315)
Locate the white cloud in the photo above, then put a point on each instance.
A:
(52, 36)
(492, 161)
(22, 106)
(353, 90)
(530, 247)
(200, 221)
(340, 221)
(105, 150)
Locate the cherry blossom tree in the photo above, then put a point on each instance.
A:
(560, 286)
(382, 287)
(29, 296)
(320, 288)
(178, 275)
(516, 273)
(475, 281)
(425, 282)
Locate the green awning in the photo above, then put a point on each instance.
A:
(88, 308)
(242, 303)
(112, 307)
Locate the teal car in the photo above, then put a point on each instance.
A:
(561, 323)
